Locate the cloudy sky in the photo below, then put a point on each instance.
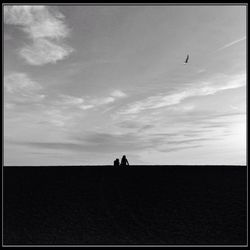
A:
(87, 84)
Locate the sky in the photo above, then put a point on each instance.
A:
(84, 85)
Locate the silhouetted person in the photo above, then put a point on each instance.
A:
(124, 161)
(116, 162)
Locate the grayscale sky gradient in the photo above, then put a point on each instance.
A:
(87, 84)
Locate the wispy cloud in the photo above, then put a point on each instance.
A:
(84, 103)
(57, 117)
(102, 100)
(65, 111)
(45, 27)
(19, 87)
(43, 51)
(126, 142)
(36, 21)
(15, 82)
(206, 88)
(95, 142)
(232, 43)
(118, 94)
(98, 142)
(112, 97)
(70, 100)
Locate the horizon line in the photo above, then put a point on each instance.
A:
(135, 165)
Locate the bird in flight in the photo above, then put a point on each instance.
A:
(186, 61)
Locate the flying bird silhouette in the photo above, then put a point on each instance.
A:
(186, 61)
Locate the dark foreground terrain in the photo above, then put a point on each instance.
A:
(172, 205)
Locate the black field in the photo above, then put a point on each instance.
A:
(144, 205)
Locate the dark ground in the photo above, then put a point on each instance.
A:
(173, 205)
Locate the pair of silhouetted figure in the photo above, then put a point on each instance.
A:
(124, 162)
